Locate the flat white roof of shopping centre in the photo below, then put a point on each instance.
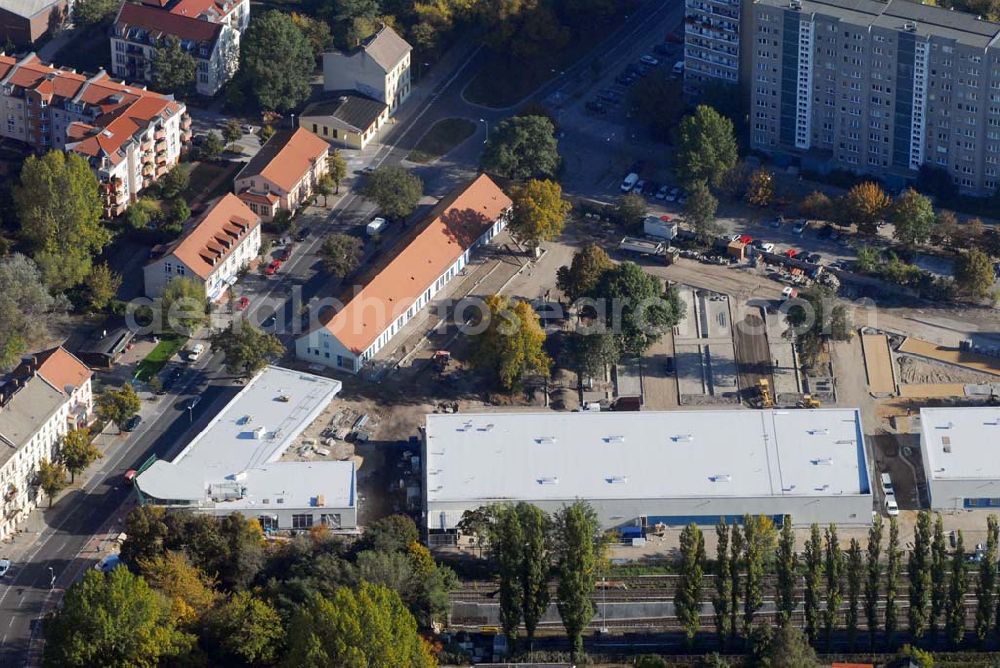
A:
(636, 455)
(961, 442)
(235, 458)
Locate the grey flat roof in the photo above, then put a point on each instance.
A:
(929, 21)
(638, 455)
(351, 111)
(961, 443)
(26, 8)
(234, 460)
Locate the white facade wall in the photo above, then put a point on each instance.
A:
(359, 72)
(17, 497)
(322, 346)
(287, 519)
(158, 273)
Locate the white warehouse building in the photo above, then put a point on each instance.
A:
(643, 468)
(959, 448)
(235, 464)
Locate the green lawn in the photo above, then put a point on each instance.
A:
(445, 135)
(159, 356)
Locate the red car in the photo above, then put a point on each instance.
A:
(242, 303)
(791, 252)
(746, 239)
(285, 253)
(272, 268)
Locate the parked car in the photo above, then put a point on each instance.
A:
(195, 352)
(886, 481)
(673, 194)
(108, 563)
(776, 223)
(273, 267)
(662, 49)
(891, 508)
(242, 303)
(639, 187)
(129, 476)
(629, 182)
(814, 258)
(682, 198)
(799, 227)
(767, 247)
(4, 567)
(133, 423)
(791, 252)
(663, 192)
(649, 60)
(302, 235)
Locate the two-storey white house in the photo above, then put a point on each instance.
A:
(466, 218)
(141, 29)
(213, 250)
(40, 401)
(283, 173)
(378, 68)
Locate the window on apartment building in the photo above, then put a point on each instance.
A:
(302, 521)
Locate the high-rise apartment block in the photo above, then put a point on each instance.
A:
(876, 87)
(711, 42)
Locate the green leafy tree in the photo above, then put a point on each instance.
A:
(173, 67)
(705, 147)
(142, 213)
(89, 13)
(369, 627)
(394, 189)
(817, 317)
(521, 148)
(246, 347)
(324, 187)
(513, 343)
(539, 212)
(758, 533)
(589, 354)
(687, 594)
(657, 106)
(245, 629)
(912, 216)
(588, 266)
(834, 567)
(341, 254)
(644, 311)
(873, 578)
(102, 286)
(232, 131)
(631, 211)
(118, 406)
(868, 259)
(855, 568)
(184, 306)
(986, 590)
(974, 274)
(276, 62)
(813, 558)
(189, 592)
(431, 599)
(78, 451)
(578, 553)
(919, 571)
(865, 204)
(787, 572)
(700, 208)
(145, 531)
(337, 167)
(789, 648)
(59, 207)
(212, 148)
(760, 188)
(316, 31)
(958, 588)
(816, 205)
(394, 533)
(508, 546)
(894, 557)
(723, 583)
(916, 656)
(51, 478)
(25, 307)
(736, 544)
(536, 567)
(939, 576)
(179, 210)
(113, 620)
(174, 183)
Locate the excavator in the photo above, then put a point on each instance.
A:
(764, 393)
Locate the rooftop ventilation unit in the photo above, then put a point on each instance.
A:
(910, 26)
(618, 479)
(614, 439)
(549, 480)
(819, 432)
(795, 4)
(682, 438)
(488, 427)
(947, 425)
(545, 440)
(946, 443)
(823, 461)
(721, 477)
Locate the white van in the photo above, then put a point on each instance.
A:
(376, 226)
(678, 68)
(629, 182)
(887, 487)
(891, 508)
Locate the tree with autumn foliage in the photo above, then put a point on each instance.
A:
(512, 343)
(760, 188)
(866, 204)
(539, 212)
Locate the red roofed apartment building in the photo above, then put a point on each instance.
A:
(283, 173)
(212, 250)
(460, 222)
(49, 394)
(209, 30)
(129, 135)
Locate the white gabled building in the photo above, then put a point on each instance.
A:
(212, 250)
(237, 463)
(463, 220)
(378, 68)
(40, 401)
(645, 468)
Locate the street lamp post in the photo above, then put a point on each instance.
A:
(52, 578)
(487, 124)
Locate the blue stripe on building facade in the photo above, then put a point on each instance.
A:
(903, 117)
(789, 77)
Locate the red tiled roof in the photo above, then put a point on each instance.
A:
(62, 369)
(458, 221)
(286, 157)
(215, 235)
(268, 199)
(196, 8)
(159, 22)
